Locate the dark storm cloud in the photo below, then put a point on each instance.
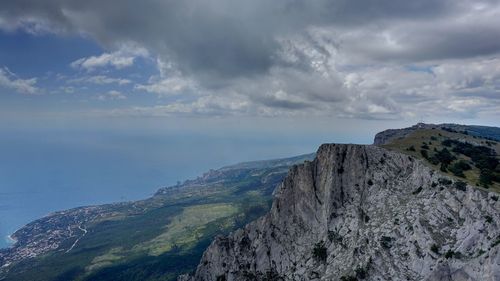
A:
(445, 38)
(216, 37)
(344, 56)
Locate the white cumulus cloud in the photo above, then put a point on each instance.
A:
(119, 59)
(11, 81)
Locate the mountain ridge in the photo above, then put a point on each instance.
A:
(163, 236)
(486, 132)
(363, 213)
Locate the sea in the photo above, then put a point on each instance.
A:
(45, 171)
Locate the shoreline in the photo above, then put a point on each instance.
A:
(10, 241)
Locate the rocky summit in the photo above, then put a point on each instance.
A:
(364, 213)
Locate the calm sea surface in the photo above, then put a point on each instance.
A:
(41, 172)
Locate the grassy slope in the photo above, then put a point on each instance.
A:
(166, 237)
(433, 139)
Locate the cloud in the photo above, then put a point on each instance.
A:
(112, 95)
(122, 58)
(11, 81)
(203, 106)
(462, 88)
(475, 74)
(383, 59)
(100, 80)
(165, 86)
(224, 38)
(67, 90)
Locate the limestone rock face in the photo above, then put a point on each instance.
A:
(368, 213)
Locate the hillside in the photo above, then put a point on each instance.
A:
(364, 213)
(469, 157)
(484, 132)
(153, 239)
(421, 204)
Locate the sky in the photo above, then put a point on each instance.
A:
(249, 65)
(102, 101)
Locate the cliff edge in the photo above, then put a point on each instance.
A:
(364, 213)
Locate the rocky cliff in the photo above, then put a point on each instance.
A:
(364, 213)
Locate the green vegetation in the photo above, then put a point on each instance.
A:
(484, 158)
(386, 242)
(452, 254)
(470, 158)
(435, 249)
(163, 236)
(319, 252)
(488, 219)
(424, 154)
(459, 167)
(188, 227)
(417, 191)
(497, 241)
(445, 181)
(334, 236)
(348, 278)
(361, 273)
(460, 185)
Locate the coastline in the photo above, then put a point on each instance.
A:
(10, 240)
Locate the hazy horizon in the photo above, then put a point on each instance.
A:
(47, 170)
(107, 100)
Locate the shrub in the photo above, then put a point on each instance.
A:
(433, 160)
(424, 153)
(348, 278)
(442, 168)
(488, 219)
(271, 275)
(435, 248)
(445, 181)
(460, 185)
(361, 273)
(451, 254)
(459, 167)
(334, 236)
(221, 278)
(445, 157)
(494, 244)
(411, 148)
(417, 191)
(463, 165)
(485, 178)
(386, 242)
(447, 142)
(320, 252)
